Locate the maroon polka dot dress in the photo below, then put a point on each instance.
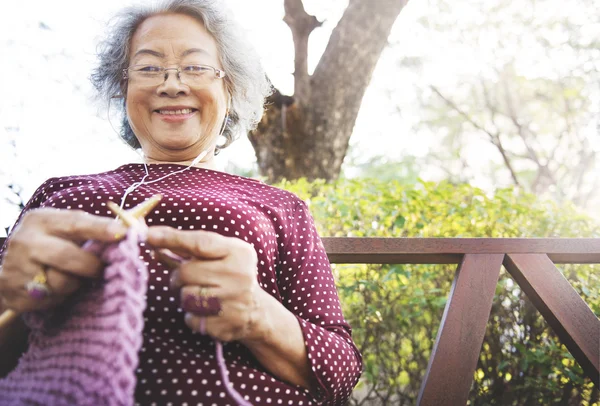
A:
(178, 367)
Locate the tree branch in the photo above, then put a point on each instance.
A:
(494, 137)
(302, 25)
(522, 131)
(490, 105)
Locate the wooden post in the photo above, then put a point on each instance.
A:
(454, 357)
(566, 312)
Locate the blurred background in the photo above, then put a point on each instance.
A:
(496, 93)
(428, 118)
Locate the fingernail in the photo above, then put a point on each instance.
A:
(156, 234)
(95, 247)
(117, 230)
(169, 259)
(173, 280)
(188, 320)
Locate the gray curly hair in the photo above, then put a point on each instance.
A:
(245, 78)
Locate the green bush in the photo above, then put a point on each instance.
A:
(395, 310)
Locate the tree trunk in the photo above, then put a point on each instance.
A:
(307, 134)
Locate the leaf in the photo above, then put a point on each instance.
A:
(440, 302)
(400, 221)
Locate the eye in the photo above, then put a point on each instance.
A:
(148, 68)
(196, 68)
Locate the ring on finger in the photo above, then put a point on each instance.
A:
(203, 303)
(38, 288)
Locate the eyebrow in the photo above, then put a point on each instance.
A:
(161, 55)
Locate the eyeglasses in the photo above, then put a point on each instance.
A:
(191, 75)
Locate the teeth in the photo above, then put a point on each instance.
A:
(175, 112)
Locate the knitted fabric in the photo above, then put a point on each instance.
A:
(86, 351)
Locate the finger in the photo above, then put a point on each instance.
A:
(174, 282)
(24, 303)
(197, 291)
(62, 284)
(201, 301)
(204, 290)
(203, 273)
(66, 256)
(214, 327)
(76, 224)
(196, 323)
(168, 258)
(59, 285)
(15, 275)
(200, 244)
(58, 282)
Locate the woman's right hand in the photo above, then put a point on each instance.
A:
(50, 239)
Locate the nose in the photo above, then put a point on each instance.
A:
(172, 85)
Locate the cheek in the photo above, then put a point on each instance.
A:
(212, 99)
(136, 108)
(213, 108)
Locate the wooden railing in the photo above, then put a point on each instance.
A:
(530, 261)
(460, 336)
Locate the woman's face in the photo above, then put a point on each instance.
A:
(171, 40)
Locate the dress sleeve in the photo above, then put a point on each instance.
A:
(39, 197)
(308, 289)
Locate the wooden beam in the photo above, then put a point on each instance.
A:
(562, 307)
(454, 356)
(450, 250)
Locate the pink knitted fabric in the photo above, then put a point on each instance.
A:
(86, 352)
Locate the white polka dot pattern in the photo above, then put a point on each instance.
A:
(179, 366)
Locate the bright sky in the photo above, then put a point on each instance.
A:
(47, 111)
(57, 130)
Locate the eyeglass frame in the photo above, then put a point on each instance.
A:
(219, 73)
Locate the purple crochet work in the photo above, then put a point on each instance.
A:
(86, 352)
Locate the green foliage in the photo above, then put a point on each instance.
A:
(395, 310)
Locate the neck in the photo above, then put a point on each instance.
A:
(207, 162)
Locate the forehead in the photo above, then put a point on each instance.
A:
(172, 34)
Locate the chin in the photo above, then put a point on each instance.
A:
(176, 140)
(183, 149)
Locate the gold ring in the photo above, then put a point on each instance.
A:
(38, 287)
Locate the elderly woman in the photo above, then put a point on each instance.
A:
(184, 76)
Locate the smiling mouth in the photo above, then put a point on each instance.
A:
(179, 112)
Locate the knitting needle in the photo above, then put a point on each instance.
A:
(129, 217)
(7, 317)
(142, 209)
(134, 215)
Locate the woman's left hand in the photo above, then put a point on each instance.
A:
(226, 267)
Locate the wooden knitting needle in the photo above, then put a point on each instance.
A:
(141, 210)
(7, 317)
(137, 213)
(128, 217)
